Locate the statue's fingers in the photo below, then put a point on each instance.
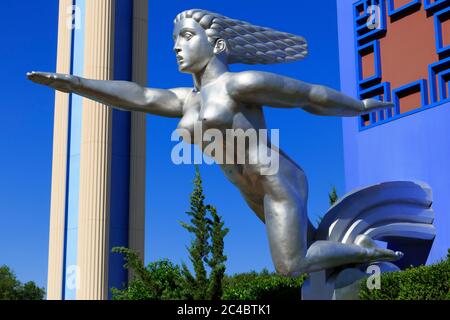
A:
(44, 78)
(32, 75)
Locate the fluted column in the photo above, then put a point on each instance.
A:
(59, 163)
(95, 161)
(138, 132)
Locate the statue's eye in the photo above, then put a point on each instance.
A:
(187, 35)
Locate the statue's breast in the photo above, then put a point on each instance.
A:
(190, 117)
(217, 109)
(211, 108)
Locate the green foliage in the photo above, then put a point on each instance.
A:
(13, 289)
(206, 247)
(332, 196)
(199, 249)
(164, 280)
(217, 261)
(160, 280)
(421, 283)
(261, 286)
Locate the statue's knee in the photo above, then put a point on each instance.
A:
(289, 269)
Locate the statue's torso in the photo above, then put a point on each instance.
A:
(214, 108)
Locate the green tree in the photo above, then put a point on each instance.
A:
(332, 196)
(164, 280)
(206, 247)
(160, 280)
(332, 199)
(13, 289)
(218, 259)
(199, 249)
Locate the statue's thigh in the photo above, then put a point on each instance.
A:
(286, 225)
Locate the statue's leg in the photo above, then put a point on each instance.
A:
(287, 226)
(323, 255)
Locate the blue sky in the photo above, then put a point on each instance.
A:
(28, 31)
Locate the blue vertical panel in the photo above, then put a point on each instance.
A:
(120, 166)
(414, 147)
(73, 168)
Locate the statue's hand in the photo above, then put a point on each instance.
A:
(371, 105)
(61, 82)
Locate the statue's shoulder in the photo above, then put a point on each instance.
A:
(246, 81)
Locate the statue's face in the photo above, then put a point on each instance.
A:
(192, 48)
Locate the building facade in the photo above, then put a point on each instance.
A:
(399, 50)
(98, 173)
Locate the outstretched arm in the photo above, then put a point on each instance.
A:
(120, 94)
(273, 90)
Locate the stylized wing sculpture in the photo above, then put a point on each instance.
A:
(397, 212)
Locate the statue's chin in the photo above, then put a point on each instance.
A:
(191, 68)
(184, 69)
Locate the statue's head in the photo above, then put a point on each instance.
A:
(200, 35)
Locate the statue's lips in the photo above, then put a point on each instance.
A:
(179, 59)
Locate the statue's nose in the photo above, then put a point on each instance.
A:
(176, 47)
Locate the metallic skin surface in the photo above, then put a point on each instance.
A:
(205, 44)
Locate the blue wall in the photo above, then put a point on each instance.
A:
(414, 147)
(120, 165)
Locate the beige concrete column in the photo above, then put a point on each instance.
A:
(138, 132)
(95, 159)
(59, 163)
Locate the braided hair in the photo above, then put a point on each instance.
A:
(248, 43)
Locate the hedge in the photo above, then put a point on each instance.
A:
(262, 286)
(421, 283)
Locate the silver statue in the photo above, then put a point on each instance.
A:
(205, 44)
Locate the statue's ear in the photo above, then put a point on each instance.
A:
(221, 46)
